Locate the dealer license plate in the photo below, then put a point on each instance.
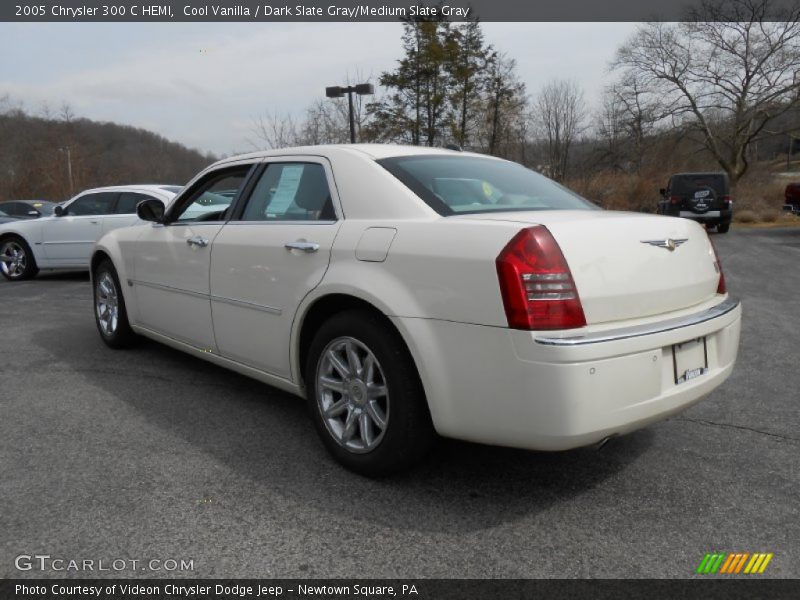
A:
(690, 360)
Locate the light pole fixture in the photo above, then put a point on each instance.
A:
(362, 89)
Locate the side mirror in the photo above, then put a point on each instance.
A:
(662, 191)
(58, 211)
(150, 210)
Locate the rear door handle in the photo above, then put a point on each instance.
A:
(197, 241)
(304, 246)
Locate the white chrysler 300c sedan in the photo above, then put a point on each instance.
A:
(64, 240)
(410, 291)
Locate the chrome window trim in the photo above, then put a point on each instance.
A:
(625, 333)
(279, 222)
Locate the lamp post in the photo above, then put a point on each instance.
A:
(789, 147)
(362, 89)
(69, 169)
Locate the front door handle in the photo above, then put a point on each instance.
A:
(197, 241)
(304, 246)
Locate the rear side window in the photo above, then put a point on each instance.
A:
(92, 204)
(14, 209)
(290, 192)
(468, 184)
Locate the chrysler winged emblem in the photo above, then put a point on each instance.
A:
(669, 243)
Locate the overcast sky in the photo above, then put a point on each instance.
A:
(204, 84)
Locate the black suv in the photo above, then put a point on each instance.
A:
(703, 197)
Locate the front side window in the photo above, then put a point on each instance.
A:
(466, 184)
(211, 198)
(44, 208)
(91, 204)
(126, 205)
(291, 192)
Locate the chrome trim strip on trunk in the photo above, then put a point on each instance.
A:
(625, 333)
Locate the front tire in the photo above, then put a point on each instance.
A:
(365, 395)
(110, 314)
(16, 259)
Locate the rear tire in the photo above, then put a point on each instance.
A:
(16, 259)
(724, 227)
(110, 313)
(365, 395)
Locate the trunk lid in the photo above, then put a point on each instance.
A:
(622, 264)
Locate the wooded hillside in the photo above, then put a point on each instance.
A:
(37, 154)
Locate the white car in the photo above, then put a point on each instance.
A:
(407, 291)
(65, 239)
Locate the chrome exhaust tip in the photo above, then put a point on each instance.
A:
(599, 445)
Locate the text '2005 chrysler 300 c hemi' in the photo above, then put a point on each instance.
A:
(407, 291)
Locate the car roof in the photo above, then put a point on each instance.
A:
(27, 201)
(149, 187)
(374, 151)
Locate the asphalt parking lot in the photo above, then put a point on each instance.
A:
(150, 454)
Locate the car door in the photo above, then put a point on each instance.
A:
(124, 211)
(172, 259)
(272, 253)
(69, 238)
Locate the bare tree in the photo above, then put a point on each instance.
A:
(325, 121)
(559, 113)
(275, 130)
(724, 75)
(503, 107)
(627, 117)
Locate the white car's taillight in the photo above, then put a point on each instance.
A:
(536, 284)
(721, 287)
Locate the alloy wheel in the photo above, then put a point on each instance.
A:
(352, 395)
(13, 259)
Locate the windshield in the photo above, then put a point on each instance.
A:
(468, 184)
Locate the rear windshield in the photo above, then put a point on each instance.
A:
(682, 184)
(467, 184)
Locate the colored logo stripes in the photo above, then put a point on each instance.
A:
(734, 563)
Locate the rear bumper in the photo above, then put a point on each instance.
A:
(674, 210)
(523, 389)
(711, 215)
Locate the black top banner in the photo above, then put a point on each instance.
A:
(261, 11)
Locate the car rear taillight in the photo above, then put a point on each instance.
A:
(674, 199)
(536, 284)
(727, 200)
(721, 287)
